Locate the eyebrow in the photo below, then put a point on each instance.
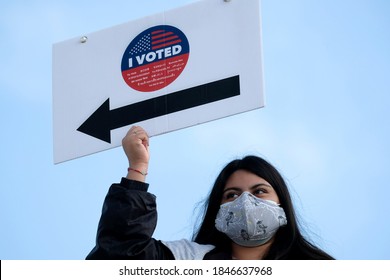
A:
(251, 188)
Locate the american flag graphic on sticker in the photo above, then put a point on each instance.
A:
(155, 58)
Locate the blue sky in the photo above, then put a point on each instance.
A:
(325, 127)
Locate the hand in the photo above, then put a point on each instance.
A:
(136, 147)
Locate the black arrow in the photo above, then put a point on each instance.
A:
(103, 120)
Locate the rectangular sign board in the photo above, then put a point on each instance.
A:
(164, 72)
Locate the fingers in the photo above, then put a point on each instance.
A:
(137, 132)
(136, 147)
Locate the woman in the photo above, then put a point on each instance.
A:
(249, 215)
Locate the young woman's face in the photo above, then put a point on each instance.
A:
(243, 181)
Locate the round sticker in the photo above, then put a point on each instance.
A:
(155, 58)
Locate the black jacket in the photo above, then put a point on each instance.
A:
(127, 223)
(126, 226)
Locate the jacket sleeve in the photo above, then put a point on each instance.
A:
(127, 223)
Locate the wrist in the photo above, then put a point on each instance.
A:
(137, 172)
(144, 173)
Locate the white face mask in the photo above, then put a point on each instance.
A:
(250, 221)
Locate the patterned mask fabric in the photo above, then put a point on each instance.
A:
(250, 221)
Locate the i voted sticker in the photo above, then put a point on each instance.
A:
(155, 58)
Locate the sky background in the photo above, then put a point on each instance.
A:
(325, 127)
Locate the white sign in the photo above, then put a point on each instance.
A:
(164, 72)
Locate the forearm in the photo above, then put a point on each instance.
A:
(127, 224)
(129, 214)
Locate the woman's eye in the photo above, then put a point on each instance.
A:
(259, 192)
(231, 196)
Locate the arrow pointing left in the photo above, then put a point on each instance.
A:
(103, 120)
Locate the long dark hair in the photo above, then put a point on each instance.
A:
(289, 243)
